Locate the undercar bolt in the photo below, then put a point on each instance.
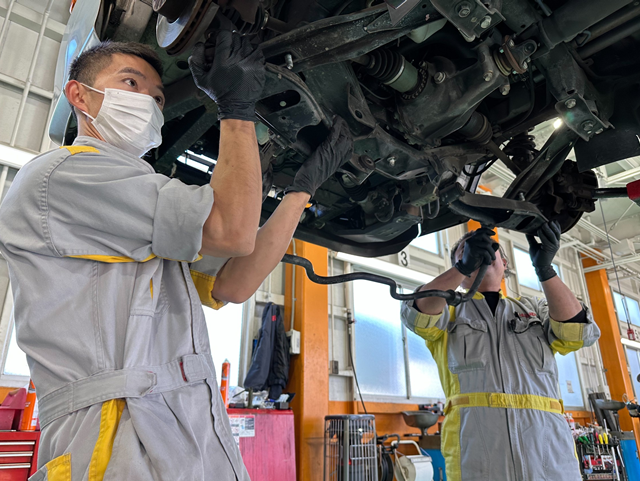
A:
(571, 103)
(464, 9)
(486, 21)
(588, 125)
(439, 77)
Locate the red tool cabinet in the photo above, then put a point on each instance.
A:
(18, 454)
(267, 443)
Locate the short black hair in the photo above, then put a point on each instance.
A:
(91, 62)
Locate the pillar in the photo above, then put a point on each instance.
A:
(309, 372)
(613, 355)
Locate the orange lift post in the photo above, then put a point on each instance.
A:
(613, 355)
(309, 375)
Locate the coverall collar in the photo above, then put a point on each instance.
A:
(105, 147)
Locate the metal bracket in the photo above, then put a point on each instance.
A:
(506, 213)
(359, 108)
(399, 8)
(579, 115)
(398, 18)
(471, 17)
(288, 120)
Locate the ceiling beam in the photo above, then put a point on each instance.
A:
(32, 20)
(619, 262)
(597, 231)
(623, 177)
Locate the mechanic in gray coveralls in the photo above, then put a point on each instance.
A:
(495, 356)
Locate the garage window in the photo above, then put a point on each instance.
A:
(16, 360)
(526, 272)
(225, 333)
(620, 301)
(429, 243)
(391, 362)
(633, 358)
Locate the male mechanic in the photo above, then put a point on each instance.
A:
(99, 247)
(495, 356)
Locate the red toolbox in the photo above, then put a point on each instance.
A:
(18, 454)
(267, 443)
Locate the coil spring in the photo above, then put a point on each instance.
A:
(384, 64)
(522, 149)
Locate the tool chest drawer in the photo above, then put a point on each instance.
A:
(18, 455)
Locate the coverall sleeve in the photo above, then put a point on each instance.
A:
(566, 337)
(204, 273)
(99, 207)
(428, 327)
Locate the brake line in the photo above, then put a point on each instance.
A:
(452, 297)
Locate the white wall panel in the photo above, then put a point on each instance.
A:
(9, 104)
(34, 122)
(46, 67)
(59, 10)
(18, 51)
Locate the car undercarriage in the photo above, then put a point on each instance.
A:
(434, 92)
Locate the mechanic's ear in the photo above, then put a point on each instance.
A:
(76, 95)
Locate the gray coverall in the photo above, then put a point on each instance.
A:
(109, 315)
(503, 415)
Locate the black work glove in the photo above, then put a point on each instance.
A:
(543, 252)
(325, 161)
(478, 249)
(236, 78)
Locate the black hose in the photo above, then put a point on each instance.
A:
(453, 298)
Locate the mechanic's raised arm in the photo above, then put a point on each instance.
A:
(241, 276)
(477, 250)
(234, 81)
(563, 304)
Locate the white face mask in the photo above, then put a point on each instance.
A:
(129, 121)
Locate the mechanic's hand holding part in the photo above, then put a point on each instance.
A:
(236, 77)
(325, 161)
(542, 253)
(479, 249)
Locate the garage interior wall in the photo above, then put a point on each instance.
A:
(29, 45)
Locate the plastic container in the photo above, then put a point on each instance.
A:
(30, 416)
(224, 382)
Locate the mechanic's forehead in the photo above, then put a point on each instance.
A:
(121, 63)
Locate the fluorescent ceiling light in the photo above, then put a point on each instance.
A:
(197, 161)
